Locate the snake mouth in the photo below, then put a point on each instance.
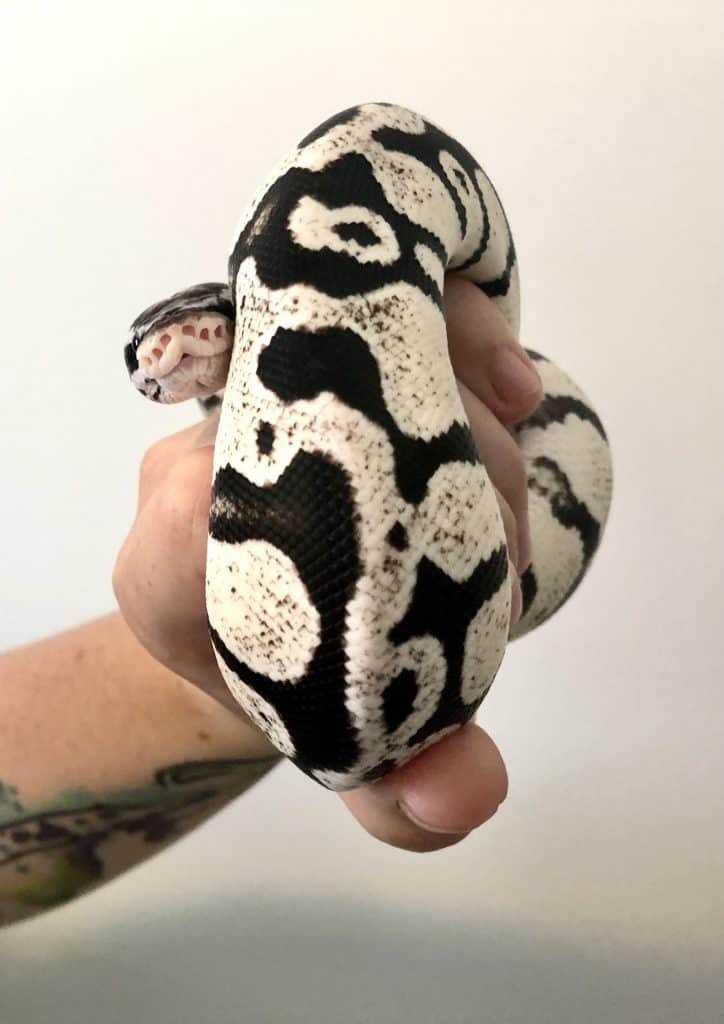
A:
(194, 377)
(163, 349)
(186, 359)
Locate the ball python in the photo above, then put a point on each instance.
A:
(357, 581)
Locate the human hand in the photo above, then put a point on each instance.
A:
(453, 786)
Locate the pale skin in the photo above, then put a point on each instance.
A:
(105, 710)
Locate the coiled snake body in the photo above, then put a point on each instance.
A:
(357, 583)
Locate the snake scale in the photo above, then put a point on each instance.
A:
(357, 585)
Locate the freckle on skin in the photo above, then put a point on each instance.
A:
(203, 735)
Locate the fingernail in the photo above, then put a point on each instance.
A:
(512, 378)
(426, 826)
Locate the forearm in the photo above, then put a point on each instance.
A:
(105, 758)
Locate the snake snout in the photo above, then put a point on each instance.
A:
(160, 353)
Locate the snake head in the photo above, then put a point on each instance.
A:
(180, 348)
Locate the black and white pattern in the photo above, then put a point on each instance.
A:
(357, 590)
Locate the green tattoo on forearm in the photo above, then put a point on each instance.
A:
(53, 852)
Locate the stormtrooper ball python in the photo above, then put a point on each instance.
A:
(357, 579)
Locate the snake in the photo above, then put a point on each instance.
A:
(358, 582)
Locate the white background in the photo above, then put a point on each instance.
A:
(133, 135)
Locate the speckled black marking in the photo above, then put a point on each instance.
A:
(265, 438)
(344, 117)
(548, 480)
(555, 408)
(427, 149)
(460, 177)
(435, 591)
(500, 285)
(356, 231)
(281, 262)
(398, 699)
(308, 514)
(529, 588)
(300, 365)
(397, 537)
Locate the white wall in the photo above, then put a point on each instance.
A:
(132, 136)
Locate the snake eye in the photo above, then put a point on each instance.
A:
(129, 356)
